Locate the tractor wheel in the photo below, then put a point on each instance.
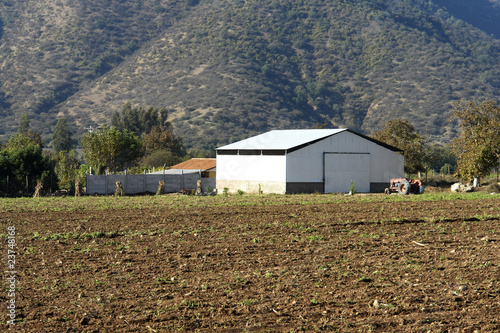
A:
(404, 187)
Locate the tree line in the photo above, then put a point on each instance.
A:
(471, 155)
(138, 139)
(22, 161)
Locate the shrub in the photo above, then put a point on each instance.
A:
(352, 188)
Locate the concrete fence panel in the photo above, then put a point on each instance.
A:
(145, 183)
(151, 182)
(111, 183)
(173, 183)
(208, 182)
(96, 184)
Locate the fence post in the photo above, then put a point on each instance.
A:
(144, 181)
(125, 189)
(106, 183)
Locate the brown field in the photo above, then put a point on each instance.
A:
(248, 263)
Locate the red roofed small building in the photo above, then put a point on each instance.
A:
(207, 166)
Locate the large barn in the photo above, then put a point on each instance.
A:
(306, 161)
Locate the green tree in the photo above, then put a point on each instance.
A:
(6, 167)
(21, 140)
(23, 158)
(447, 161)
(401, 134)
(21, 163)
(24, 136)
(433, 154)
(478, 146)
(111, 149)
(160, 158)
(66, 168)
(139, 121)
(24, 124)
(130, 120)
(61, 139)
(161, 138)
(201, 153)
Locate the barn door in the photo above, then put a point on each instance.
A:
(342, 168)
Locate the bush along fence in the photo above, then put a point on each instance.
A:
(147, 183)
(15, 187)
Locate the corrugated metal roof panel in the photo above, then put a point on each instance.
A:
(282, 139)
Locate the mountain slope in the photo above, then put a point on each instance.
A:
(50, 50)
(229, 69)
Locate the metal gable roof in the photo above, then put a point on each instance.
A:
(281, 139)
(290, 140)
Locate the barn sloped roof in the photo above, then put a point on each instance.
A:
(292, 139)
(196, 164)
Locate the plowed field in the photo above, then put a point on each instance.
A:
(272, 263)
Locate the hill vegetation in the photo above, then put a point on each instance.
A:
(227, 69)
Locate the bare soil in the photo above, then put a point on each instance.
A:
(355, 266)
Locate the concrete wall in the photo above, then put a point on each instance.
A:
(145, 183)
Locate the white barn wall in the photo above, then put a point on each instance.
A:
(248, 172)
(306, 165)
(385, 165)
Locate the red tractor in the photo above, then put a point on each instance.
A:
(405, 186)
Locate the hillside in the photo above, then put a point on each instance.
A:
(229, 69)
(51, 50)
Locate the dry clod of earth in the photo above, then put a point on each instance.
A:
(85, 321)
